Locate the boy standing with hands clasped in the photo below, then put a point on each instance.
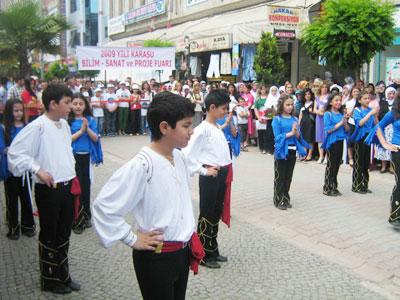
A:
(154, 187)
(208, 154)
(43, 148)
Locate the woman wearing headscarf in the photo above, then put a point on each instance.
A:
(386, 106)
(271, 105)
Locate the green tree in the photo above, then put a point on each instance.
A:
(23, 29)
(268, 63)
(57, 70)
(349, 33)
(157, 43)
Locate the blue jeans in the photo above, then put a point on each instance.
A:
(144, 127)
(110, 119)
(99, 123)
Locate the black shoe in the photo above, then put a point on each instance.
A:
(221, 258)
(58, 288)
(29, 233)
(337, 193)
(212, 264)
(331, 194)
(282, 206)
(13, 234)
(78, 230)
(359, 192)
(395, 223)
(88, 224)
(74, 286)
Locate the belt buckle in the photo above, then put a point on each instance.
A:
(159, 248)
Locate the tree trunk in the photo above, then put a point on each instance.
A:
(24, 65)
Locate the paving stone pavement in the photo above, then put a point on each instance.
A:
(323, 248)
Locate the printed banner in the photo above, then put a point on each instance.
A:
(194, 2)
(235, 60)
(146, 11)
(116, 25)
(140, 58)
(284, 18)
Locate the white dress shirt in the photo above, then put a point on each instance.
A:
(43, 144)
(154, 191)
(207, 146)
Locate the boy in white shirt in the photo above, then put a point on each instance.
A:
(43, 148)
(110, 111)
(123, 95)
(98, 112)
(242, 113)
(154, 187)
(209, 155)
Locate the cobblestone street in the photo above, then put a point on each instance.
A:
(323, 248)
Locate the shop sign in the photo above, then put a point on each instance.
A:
(392, 73)
(284, 17)
(116, 25)
(194, 2)
(217, 42)
(285, 34)
(137, 59)
(146, 11)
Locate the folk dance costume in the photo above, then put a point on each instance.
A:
(208, 148)
(285, 158)
(16, 187)
(362, 152)
(83, 149)
(156, 192)
(46, 144)
(333, 144)
(388, 120)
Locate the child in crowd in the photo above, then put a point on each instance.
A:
(145, 101)
(165, 241)
(84, 133)
(242, 113)
(98, 112)
(336, 127)
(123, 95)
(261, 122)
(365, 119)
(288, 140)
(43, 148)
(15, 186)
(110, 111)
(135, 114)
(307, 120)
(208, 154)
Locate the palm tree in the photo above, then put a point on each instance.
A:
(23, 30)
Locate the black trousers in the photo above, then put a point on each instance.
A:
(56, 208)
(334, 160)
(360, 176)
(395, 198)
(134, 121)
(14, 189)
(162, 276)
(212, 194)
(82, 169)
(262, 139)
(283, 178)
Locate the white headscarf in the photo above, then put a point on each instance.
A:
(388, 90)
(271, 99)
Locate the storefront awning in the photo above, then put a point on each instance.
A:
(244, 25)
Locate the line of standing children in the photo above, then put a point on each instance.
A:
(16, 187)
(84, 134)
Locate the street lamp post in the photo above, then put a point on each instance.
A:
(187, 52)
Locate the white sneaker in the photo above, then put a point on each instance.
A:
(325, 161)
(320, 160)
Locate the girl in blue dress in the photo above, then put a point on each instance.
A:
(288, 140)
(365, 118)
(84, 134)
(336, 128)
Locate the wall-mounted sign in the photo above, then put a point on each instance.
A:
(116, 25)
(284, 34)
(217, 42)
(146, 11)
(194, 2)
(284, 17)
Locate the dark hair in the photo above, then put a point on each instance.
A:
(55, 92)
(329, 103)
(396, 108)
(170, 108)
(303, 95)
(8, 119)
(235, 92)
(281, 102)
(28, 87)
(87, 112)
(217, 97)
(360, 95)
(143, 86)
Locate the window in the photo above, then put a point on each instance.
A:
(73, 5)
